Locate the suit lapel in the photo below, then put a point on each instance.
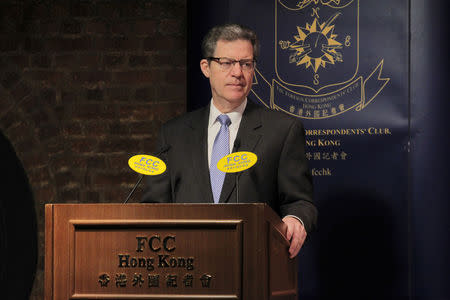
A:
(249, 136)
(199, 154)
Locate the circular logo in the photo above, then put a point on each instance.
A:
(237, 162)
(147, 164)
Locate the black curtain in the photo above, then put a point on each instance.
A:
(18, 229)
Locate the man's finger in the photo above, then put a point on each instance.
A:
(297, 241)
(295, 245)
(289, 232)
(296, 235)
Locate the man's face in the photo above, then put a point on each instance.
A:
(229, 88)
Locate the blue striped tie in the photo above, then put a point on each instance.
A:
(220, 148)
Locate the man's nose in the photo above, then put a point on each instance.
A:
(236, 69)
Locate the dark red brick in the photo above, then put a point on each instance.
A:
(176, 76)
(82, 8)
(82, 145)
(10, 79)
(172, 58)
(142, 127)
(121, 28)
(49, 27)
(44, 194)
(91, 76)
(122, 93)
(119, 159)
(167, 111)
(116, 144)
(136, 77)
(67, 44)
(68, 97)
(146, 94)
(171, 92)
(48, 96)
(96, 161)
(70, 26)
(92, 111)
(9, 116)
(153, 9)
(148, 145)
(53, 77)
(136, 112)
(96, 128)
(67, 178)
(41, 61)
(163, 44)
(20, 60)
(114, 60)
(171, 27)
(60, 9)
(175, 9)
(20, 91)
(41, 177)
(119, 128)
(30, 105)
(90, 197)
(48, 131)
(145, 27)
(71, 195)
(96, 27)
(6, 105)
(72, 128)
(94, 95)
(10, 43)
(66, 61)
(110, 179)
(138, 61)
(89, 60)
(40, 117)
(117, 43)
(55, 145)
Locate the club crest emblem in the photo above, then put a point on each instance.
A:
(316, 60)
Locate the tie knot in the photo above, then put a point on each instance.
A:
(224, 120)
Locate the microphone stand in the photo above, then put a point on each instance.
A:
(237, 144)
(134, 188)
(237, 187)
(163, 150)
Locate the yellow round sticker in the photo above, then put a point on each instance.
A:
(237, 162)
(147, 164)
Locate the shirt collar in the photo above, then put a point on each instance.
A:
(235, 115)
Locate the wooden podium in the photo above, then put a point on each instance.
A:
(166, 251)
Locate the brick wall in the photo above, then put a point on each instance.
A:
(83, 86)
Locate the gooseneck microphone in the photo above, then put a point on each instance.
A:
(162, 150)
(237, 144)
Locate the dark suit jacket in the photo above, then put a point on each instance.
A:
(280, 177)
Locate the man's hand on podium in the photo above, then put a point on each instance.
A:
(295, 233)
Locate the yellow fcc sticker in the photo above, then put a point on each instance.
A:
(237, 162)
(147, 164)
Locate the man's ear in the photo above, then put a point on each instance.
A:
(204, 66)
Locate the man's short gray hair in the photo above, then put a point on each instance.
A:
(228, 32)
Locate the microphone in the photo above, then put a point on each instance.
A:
(237, 144)
(162, 150)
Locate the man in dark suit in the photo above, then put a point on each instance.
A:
(190, 143)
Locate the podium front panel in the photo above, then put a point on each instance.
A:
(164, 251)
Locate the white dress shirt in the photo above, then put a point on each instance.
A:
(214, 125)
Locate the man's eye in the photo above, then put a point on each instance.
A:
(226, 63)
